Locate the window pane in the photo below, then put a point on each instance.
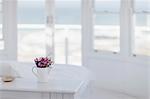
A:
(107, 25)
(1, 34)
(142, 5)
(1, 45)
(107, 5)
(68, 31)
(31, 12)
(31, 29)
(142, 27)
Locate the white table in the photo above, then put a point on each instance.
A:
(66, 82)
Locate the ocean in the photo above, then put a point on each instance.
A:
(69, 12)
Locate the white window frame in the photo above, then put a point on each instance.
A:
(9, 30)
(50, 10)
(126, 35)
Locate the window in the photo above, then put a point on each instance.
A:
(31, 29)
(34, 18)
(68, 31)
(107, 25)
(118, 26)
(8, 29)
(142, 27)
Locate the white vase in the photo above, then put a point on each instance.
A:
(42, 74)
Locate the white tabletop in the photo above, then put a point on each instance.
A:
(63, 79)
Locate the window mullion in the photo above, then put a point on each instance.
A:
(50, 27)
(131, 27)
(126, 28)
(10, 28)
(87, 28)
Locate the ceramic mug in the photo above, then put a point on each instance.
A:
(42, 74)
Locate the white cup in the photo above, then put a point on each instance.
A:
(7, 72)
(42, 74)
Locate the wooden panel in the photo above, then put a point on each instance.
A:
(19, 95)
(45, 96)
(56, 96)
(68, 96)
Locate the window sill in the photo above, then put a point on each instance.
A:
(143, 60)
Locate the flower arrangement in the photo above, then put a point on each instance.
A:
(43, 62)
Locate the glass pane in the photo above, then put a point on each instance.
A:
(107, 5)
(107, 25)
(1, 34)
(68, 32)
(31, 11)
(1, 45)
(142, 5)
(31, 29)
(31, 43)
(142, 27)
(68, 12)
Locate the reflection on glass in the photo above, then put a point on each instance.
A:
(107, 25)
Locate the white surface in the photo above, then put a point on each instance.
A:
(108, 94)
(59, 86)
(64, 79)
(126, 78)
(113, 72)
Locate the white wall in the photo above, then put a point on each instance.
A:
(123, 77)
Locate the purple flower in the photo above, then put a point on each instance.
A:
(43, 62)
